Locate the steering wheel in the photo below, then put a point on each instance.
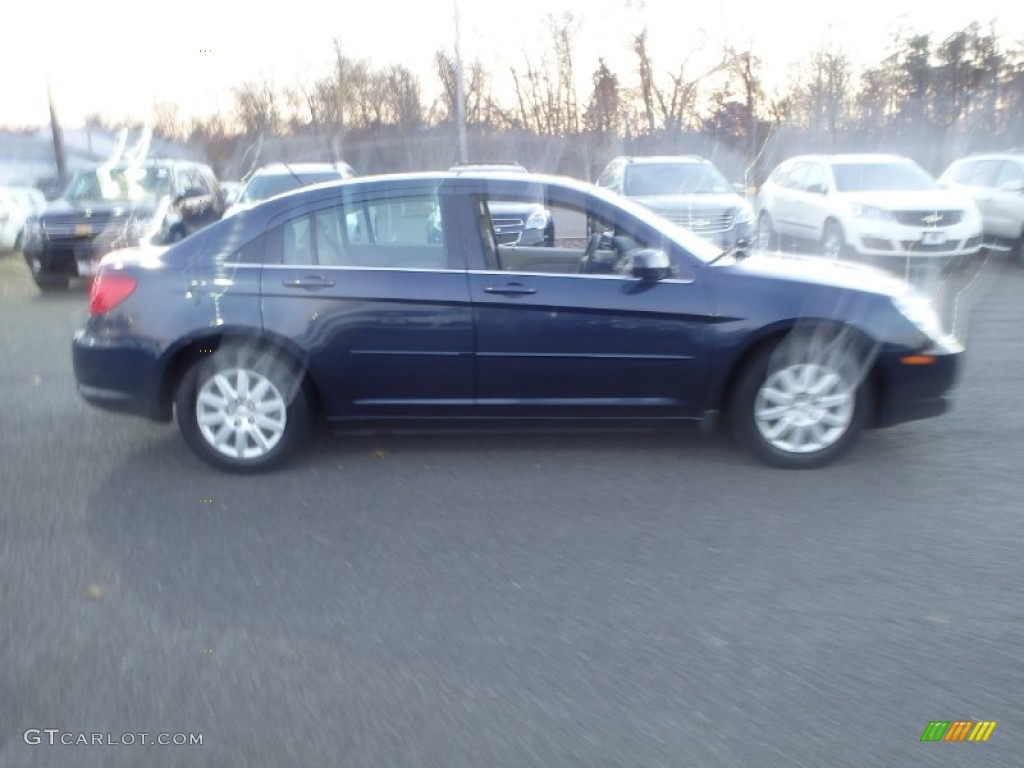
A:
(588, 253)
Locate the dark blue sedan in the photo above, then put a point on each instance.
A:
(387, 302)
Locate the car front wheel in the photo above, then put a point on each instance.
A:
(243, 409)
(767, 240)
(47, 282)
(801, 403)
(833, 244)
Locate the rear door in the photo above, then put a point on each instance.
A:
(371, 284)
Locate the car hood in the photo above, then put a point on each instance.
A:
(912, 200)
(821, 271)
(512, 207)
(693, 202)
(85, 210)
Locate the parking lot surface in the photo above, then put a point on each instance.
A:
(510, 599)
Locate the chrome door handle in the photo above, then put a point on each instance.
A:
(313, 283)
(510, 289)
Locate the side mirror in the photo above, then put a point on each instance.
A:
(1013, 186)
(816, 189)
(651, 264)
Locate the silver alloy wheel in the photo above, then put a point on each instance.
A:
(804, 407)
(241, 413)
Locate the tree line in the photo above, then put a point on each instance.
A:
(931, 99)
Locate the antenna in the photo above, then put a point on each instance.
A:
(122, 141)
(138, 153)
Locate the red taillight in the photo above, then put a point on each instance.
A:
(108, 290)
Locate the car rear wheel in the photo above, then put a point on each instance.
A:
(1017, 250)
(802, 403)
(767, 240)
(243, 409)
(833, 243)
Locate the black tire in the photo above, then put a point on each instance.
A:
(549, 235)
(833, 241)
(267, 423)
(1017, 250)
(766, 240)
(828, 421)
(47, 282)
(51, 283)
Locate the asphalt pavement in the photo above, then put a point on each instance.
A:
(509, 600)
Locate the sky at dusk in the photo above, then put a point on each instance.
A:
(119, 58)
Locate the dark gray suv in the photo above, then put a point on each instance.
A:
(115, 206)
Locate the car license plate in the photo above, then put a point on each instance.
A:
(82, 230)
(933, 238)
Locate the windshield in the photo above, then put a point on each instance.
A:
(262, 187)
(674, 179)
(119, 184)
(881, 177)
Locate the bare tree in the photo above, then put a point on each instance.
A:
(167, 122)
(257, 107)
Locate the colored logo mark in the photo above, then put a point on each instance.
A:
(958, 730)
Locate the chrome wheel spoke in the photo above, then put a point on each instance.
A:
(224, 386)
(834, 401)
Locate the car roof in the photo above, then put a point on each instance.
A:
(855, 157)
(301, 195)
(664, 159)
(1014, 154)
(286, 169)
(150, 162)
(506, 167)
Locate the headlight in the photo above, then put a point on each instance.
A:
(745, 214)
(872, 212)
(921, 313)
(537, 220)
(140, 230)
(33, 228)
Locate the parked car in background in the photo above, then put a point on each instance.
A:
(515, 222)
(278, 178)
(872, 206)
(344, 302)
(688, 190)
(17, 205)
(995, 181)
(116, 206)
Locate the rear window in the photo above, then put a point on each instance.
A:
(881, 177)
(674, 179)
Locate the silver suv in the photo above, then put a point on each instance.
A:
(995, 181)
(688, 190)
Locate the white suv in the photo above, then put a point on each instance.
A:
(995, 181)
(278, 178)
(866, 205)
